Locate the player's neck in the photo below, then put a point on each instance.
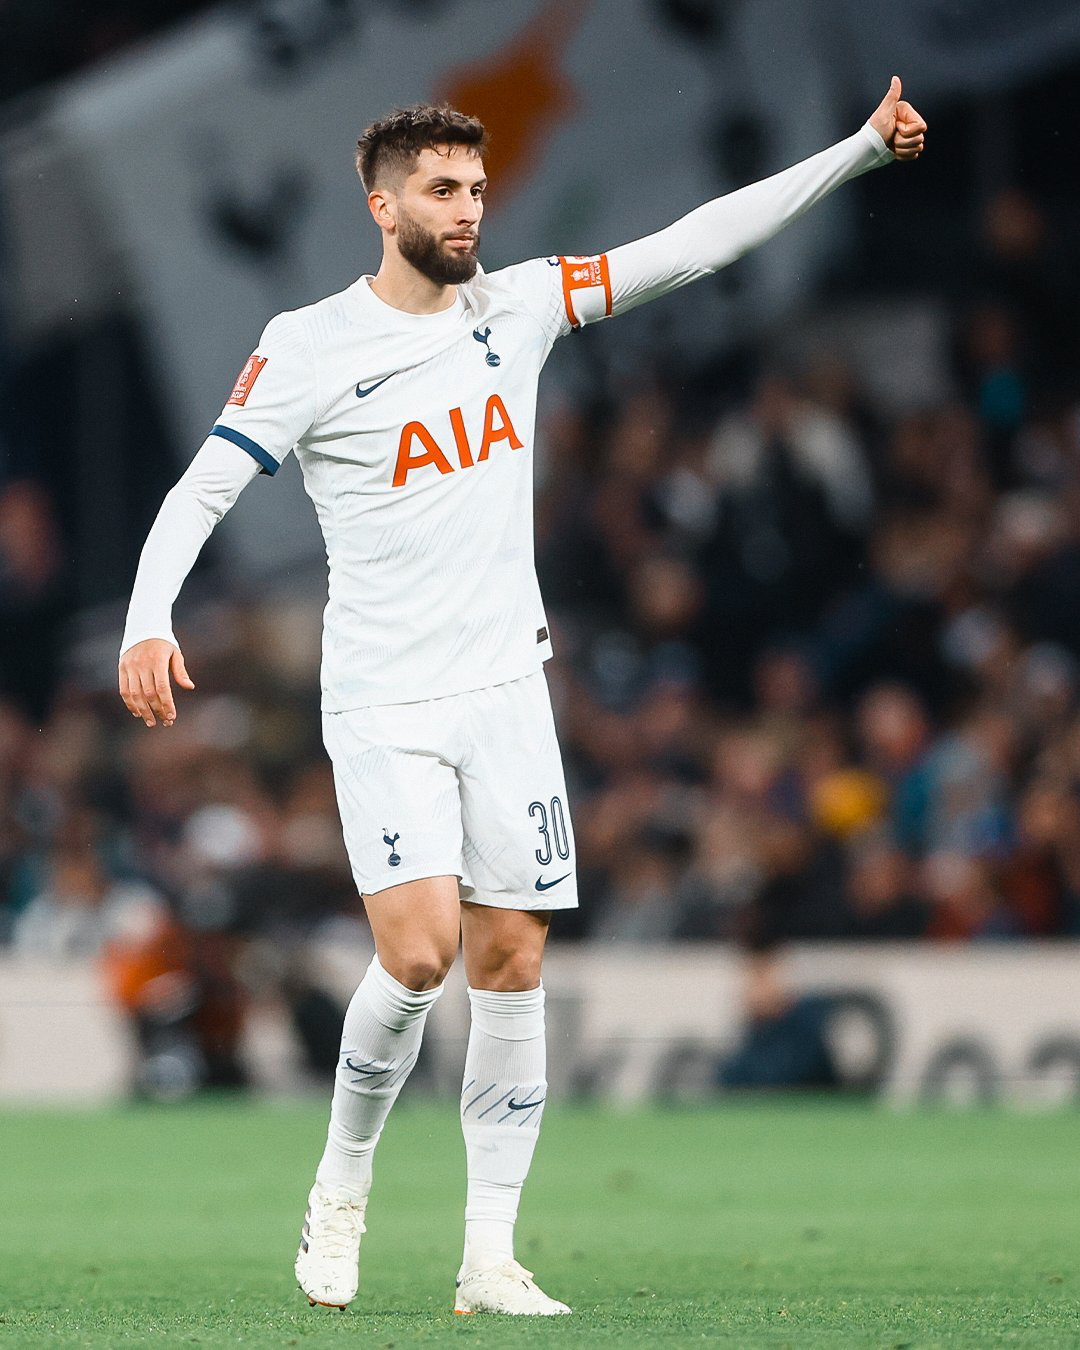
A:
(399, 284)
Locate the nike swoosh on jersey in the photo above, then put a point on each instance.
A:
(523, 1106)
(363, 393)
(542, 885)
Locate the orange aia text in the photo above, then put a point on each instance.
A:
(418, 446)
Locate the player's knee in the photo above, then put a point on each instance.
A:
(420, 970)
(507, 972)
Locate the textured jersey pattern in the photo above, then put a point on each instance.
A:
(415, 437)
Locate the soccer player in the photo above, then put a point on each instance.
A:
(409, 399)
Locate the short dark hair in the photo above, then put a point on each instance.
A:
(390, 147)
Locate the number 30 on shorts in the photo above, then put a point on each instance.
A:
(551, 822)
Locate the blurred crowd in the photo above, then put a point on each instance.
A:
(817, 676)
(821, 660)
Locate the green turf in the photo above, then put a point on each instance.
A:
(757, 1224)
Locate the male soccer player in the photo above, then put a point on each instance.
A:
(410, 399)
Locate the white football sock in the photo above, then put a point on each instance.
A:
(502, 1102)
(379, 1045)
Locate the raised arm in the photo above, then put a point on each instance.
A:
(714, 235)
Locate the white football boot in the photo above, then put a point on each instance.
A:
(327, 1264)
(506, 1287)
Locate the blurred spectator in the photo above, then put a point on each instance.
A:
(180, 990)
(882, 895)
(34, 599)
(793, 499)
(81, 910)
(1022, 266)
(639, 905)
(785, 1040)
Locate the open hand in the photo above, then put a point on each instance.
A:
(898, 124)
(144, 680)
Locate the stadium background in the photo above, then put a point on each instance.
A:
(807, 533)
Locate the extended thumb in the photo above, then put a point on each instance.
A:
(893, 96)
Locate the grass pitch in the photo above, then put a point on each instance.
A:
(756, 1224)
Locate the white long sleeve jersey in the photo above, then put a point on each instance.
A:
(415, 436)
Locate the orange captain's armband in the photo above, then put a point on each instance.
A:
(584, 274)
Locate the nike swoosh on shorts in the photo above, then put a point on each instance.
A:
(542, 885)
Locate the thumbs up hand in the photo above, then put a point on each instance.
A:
(898, 124)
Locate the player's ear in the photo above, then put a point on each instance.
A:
(381, 204)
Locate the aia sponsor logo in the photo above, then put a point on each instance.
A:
(418, 447)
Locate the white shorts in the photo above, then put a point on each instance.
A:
(469, 786)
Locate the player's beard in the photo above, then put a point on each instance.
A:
(426, 253)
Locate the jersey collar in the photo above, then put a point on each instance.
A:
(370, 304)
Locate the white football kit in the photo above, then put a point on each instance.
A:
(414, 433)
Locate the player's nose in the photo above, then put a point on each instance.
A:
(469, 211)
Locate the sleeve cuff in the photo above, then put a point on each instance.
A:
(132, 637)
(263, 458)
(882, 153)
